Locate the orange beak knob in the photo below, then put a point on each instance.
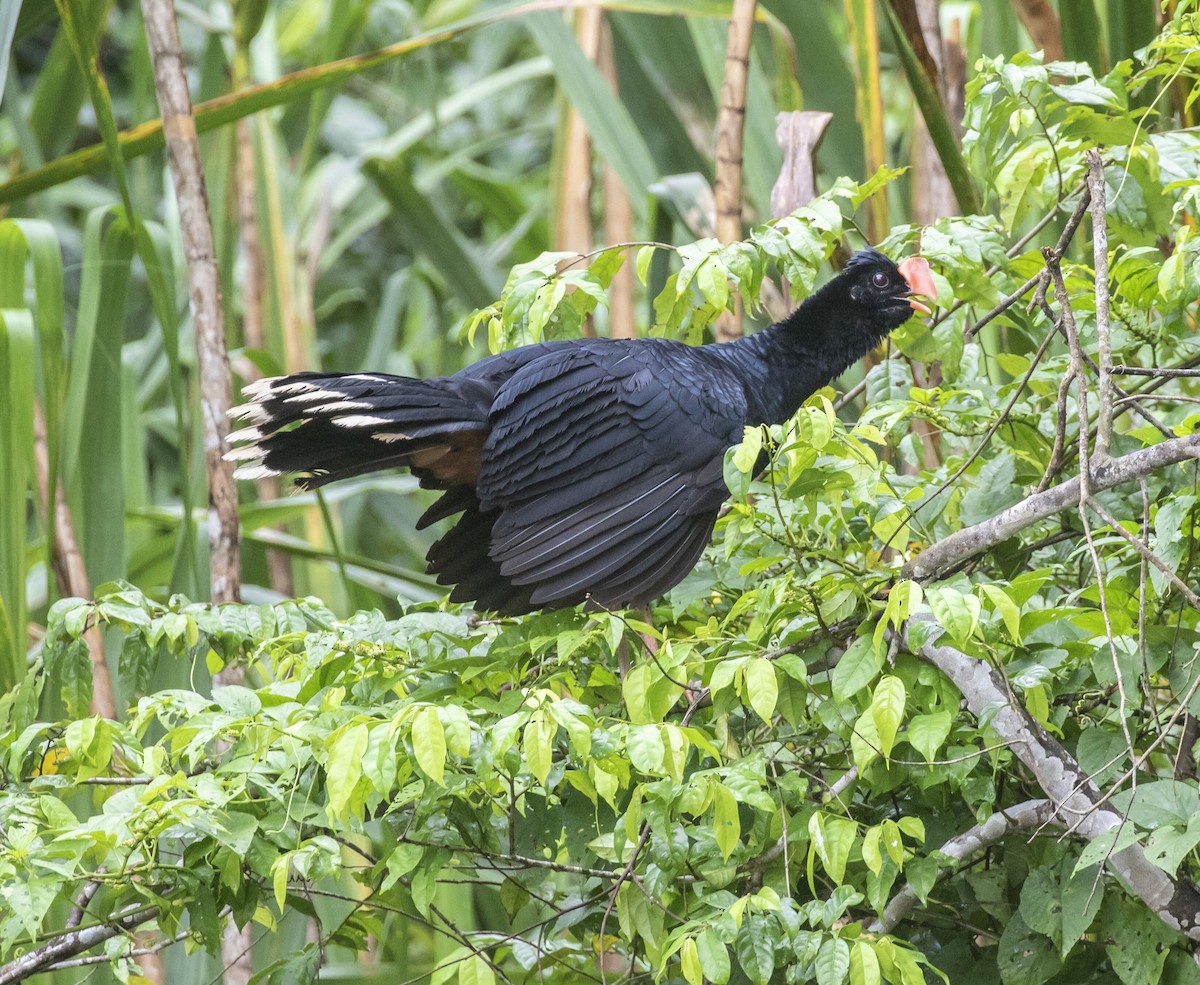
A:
(915, 271)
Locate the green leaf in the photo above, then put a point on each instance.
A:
(832, 838)
(887, 709)
(833, 962)
(926, 733)
(474, 970)
(714, 957)
(762, 687)
(1082, 894)
(689, 962)
(745, 455)
(1006, 607)
(279, 879)
(645, 256)
(345, 766)
(756, 950)
(864, 965)
(1138, 941)
(536, 745)
(1024, 956)
(644, 743)
(957, 613)
(856, 669)
(429, 744)
(727, 825)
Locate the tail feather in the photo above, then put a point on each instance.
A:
(328, 426)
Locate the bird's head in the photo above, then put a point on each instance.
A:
(885, 293)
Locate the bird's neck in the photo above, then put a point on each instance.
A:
(788, 362)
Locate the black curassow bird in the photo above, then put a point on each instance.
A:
(586, 470)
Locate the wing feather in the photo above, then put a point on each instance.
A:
(604, 471)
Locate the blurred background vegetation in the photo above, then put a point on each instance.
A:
(364, 209)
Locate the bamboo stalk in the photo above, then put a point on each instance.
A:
(204, 300)
(731, 122)
(69, 570)
(618, 217)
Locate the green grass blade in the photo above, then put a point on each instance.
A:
(60, 90)
(609, 124)
(94, 475)
(1131, 25)
(1081, 33)
(35, 241)
(10, 10)
(76, 23)
(439, 238)
(155, 246)
(16, 452)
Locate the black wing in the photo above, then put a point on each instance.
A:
(602, 470)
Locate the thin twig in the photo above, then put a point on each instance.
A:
(1166, 374)
(1060, 247)
(1103, 327)
(131, 953)
(1147, 554)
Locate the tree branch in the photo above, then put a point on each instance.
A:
(70, 944)
(966, 543)
(1070, 789)
(960, 848)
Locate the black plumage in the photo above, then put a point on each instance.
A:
(588, 470)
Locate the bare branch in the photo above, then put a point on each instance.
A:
(966, 543)
(1176, 903)
(68, 945)
(960, 848)
(1166, 374)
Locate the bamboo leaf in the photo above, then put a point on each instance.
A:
(16, 452)
(609, 125)
(93, 469)
(438, 236)
(938, 124)
(214, 113)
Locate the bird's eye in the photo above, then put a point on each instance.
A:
(880, 279)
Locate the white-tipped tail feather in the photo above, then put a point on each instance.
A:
(253, 472)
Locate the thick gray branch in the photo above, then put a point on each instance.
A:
(960, 848)
(1078, 801)
(966, 543)
(70, 944)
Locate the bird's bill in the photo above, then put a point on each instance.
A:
(915, 271)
